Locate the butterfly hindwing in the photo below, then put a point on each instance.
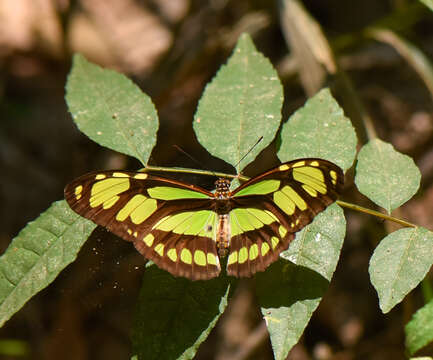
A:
(273, 206)
(257, 239)
(169, 222)
(183, 244)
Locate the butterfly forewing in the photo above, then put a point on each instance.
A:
(169, 222)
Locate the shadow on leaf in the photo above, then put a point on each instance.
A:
(285, 283)
(174, 315)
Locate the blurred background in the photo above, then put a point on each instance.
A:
(374, 55)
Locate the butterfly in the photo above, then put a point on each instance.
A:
(187, 230)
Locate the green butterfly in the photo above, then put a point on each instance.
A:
(185, 229)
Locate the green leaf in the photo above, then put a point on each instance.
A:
(412, 54)
(14, 348)
(111, 110)
(428, 3)
(319, 129)
(38, 254)
(175, 315)
(242, 103)
(289, 293)
(419, 330)
(318, 245)
(399, 263)
(386, 176)
(427, 290)
(308, 45)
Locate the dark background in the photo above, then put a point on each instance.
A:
(171, 49)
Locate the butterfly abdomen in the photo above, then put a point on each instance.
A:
(223, 235)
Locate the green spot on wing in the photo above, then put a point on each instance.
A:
(261, 215)
(254, 252)
(259, 188)
(243, 255)
(234, 225)
(284, 203)
(200, 258)
(185, 256)
(143, 211)
(243, 221)
(174, 193)
(248, 219)
(189, 223)
(196, 224)
(311, 177)
(169, 223)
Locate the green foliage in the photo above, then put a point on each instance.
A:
(243, 102)
(290, 291)
(399, 263)
(111, 110)
(427, 290)
(319, 129)
(419, 330)
(38, 254)
(428, 3)
(414, 56)
(386, 176)
(10, 347)
(176, 316)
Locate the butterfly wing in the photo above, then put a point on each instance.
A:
(269, 209)
(169, 222)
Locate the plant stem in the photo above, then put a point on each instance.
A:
(375, 213)
(245, 178)
(194, 171)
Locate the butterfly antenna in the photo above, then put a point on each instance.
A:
(185, 153)
(193, 159)
(251, 149)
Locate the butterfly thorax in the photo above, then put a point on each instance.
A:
(222, 196)
(222, 188)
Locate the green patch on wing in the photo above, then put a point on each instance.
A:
(174, 193)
